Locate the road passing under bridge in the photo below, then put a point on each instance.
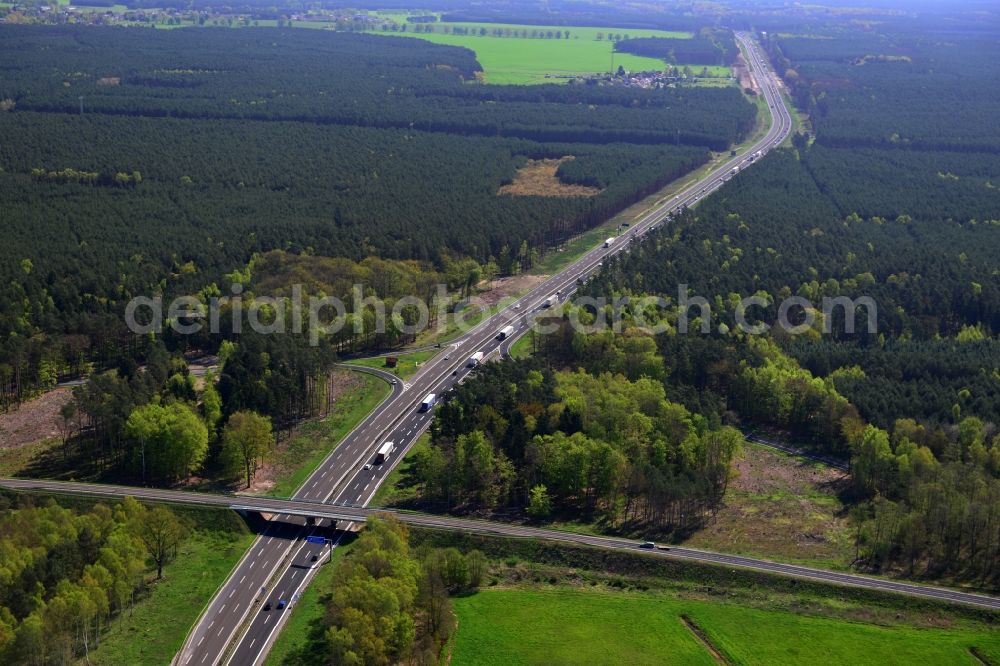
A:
(356, 514)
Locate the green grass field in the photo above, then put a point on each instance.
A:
(399, 487)
(13, 462)
(312, 442)
(567, 626)
(517, 60)
(154, 631)
(710, 70)
(437, 334)
(523, 348)
(407, 365)
(580, 33)
(116, 9)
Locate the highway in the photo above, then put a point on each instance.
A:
(234, 628)
(282, 566)
(359, 514)
(343, 479)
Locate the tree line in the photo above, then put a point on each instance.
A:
(150, 425)
(66, 574)
(390, 604)
(706, 48)
(937, 381)
(931, 499)
(574, 444)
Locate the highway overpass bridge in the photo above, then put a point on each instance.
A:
(356, 514)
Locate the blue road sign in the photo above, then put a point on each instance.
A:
(315, 539)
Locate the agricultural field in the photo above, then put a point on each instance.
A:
(519, 60)
(564, 626)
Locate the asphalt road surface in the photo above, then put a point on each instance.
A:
(235, 627)
(345, 514)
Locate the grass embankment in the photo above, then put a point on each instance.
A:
(455, 324)
(155, 630)
(311, 443)
(520, 60)
(400, 486)
(565, 626)
(306, 622)
(524, 347)
(406, 366)
(800, 122)
(14, 461)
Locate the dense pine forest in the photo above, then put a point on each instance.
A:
(890, 194)
(706, 48)
(895, 88)
(163, 161)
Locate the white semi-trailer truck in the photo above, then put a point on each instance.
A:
(383, 453)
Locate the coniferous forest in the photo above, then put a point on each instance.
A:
(886, 195)
(162, 161)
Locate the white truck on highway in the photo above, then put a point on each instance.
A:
(550, 301)
(383, 453)
(475, 360)
(505, 332)
(428, 402)
(609, 242)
